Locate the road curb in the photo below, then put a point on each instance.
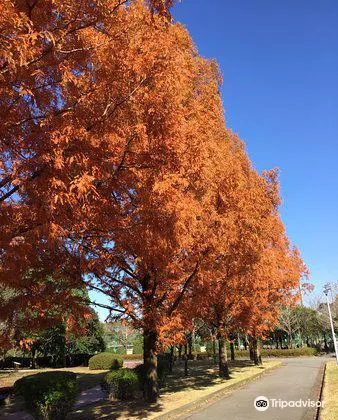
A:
(203, 402)
(321, 390)
(312, 413)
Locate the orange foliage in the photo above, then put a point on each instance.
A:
(117, 172)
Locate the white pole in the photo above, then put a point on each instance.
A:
(332, 327)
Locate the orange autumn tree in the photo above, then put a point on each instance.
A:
(108, 155)
(274, 280)
(116, 169)
(259, 270)
(168, 233)
(52, 100)
(38, 301)
(57, 115)
(277, 280)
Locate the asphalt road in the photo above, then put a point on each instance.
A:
(297, 379)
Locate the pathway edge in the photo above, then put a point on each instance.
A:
(203, 402)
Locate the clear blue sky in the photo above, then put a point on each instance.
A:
(279, 60)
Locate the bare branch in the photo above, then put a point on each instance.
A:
(5, 181)
(184, 288)
(9, 193)
(110, 308)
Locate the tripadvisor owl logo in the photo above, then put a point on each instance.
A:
(261, 403)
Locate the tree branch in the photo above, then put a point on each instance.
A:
(184, 288)
(16, 188)
(110, 308)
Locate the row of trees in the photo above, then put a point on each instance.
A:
(303, 325)
(117, 173)
(296, 326)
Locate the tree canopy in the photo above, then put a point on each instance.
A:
(118, 173)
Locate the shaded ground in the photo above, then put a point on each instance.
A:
(180, 390)
(86, 379)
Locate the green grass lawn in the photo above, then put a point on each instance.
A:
(330, 393)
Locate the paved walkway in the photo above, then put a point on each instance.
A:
(298, 379)
(89, 396)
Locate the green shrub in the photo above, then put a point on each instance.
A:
(50, 395)
(121, 384)
(105, 361)
(302, 351)
(240, 353)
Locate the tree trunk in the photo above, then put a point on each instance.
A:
(33, 362)
(245, 343)
(171, 360)
(63, 360)
(289, 341)
(222, 357)
(232, 350)
(150, 391)
(190, 340)
(251, 351)
(256, 351)
(214, 349)
(186, 372)
(180, 353)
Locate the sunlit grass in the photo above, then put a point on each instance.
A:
(330, 409)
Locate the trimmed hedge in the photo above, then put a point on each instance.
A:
(78, 359)
(105, 361)
(49, 395)
(8, 362)
(302, 351)
(296, 352)
(121, 384)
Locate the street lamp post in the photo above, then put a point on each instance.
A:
(327, 288)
